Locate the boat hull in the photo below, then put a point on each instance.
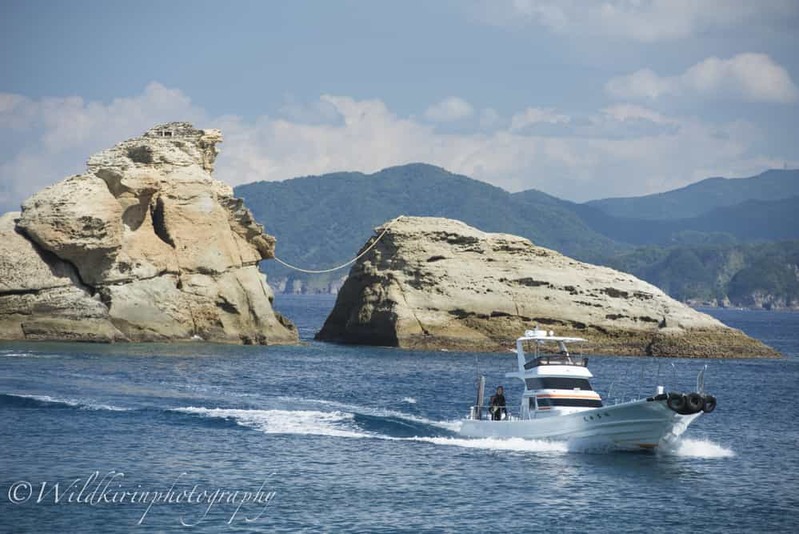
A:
(639, 424)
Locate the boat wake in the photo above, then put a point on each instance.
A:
(378, 414)
(318, 423)
(43, 401)
(395, 426)
(335, 419)
(495, 444)
(391, 426)
(26, 354)
(697, 448)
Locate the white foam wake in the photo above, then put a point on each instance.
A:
(452, 426)
(75, 403)
(505, 444)
(286, 422)
(340, 423)
(12, 354)
(697, 448)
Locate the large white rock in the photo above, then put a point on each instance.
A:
(161, 249)
(438, 283)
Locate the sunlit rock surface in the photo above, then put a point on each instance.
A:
(145, 246)
(433, 283)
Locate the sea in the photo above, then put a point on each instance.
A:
(318, 437)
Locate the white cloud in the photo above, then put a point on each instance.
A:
(752, 77)
(632, 112)
(639, 20)
(490, 119)
(532, 116)
(619, 150)
(641, 84)
(319, 112)
(56, 135)
(450, 109)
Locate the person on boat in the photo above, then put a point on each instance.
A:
(497, 405)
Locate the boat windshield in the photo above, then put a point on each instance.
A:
(558, 382)
(557, 359)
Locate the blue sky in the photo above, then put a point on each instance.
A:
(579, 99)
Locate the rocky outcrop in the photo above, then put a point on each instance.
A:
(41, 296)
(145, 246)
(432, 283)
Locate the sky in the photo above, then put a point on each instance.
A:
(580, 99)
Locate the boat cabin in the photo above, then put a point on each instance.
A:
(554, 383)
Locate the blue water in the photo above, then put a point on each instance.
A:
(348, 439)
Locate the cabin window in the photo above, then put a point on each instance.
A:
(557, 382)
(581, 403)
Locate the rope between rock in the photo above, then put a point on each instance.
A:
(353, 260)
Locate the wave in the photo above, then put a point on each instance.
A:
(697, 448)
(34, 355)
(404, 427)
(496, 444)
(349, 421)
(452, 426)
(338, 424)
(44, 401)
(351, 425)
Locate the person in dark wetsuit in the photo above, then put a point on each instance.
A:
(497, 404)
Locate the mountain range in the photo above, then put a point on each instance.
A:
(725, 226)
(699, 198)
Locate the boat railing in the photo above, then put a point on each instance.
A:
(635, 386)
(621, 399)
(484, 413)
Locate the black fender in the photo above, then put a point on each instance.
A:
(708, 403)
(676, 402)
(694, 403)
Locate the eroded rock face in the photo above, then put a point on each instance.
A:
(434, 283)
(41, 296)
(147, 243)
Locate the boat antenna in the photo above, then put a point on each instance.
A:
(657, 375)
(643, 369)
(700, 380)
(674, 375)
(609, 394)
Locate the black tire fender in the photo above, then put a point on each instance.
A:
(676, 401)
(694, 403)
(708, 403)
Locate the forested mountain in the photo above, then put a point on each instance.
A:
(320, 221)
(723, 250)
(701, 197)
(751, 220)
(758, 275)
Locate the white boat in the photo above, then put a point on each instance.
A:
(559, 404)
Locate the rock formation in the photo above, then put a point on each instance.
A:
(433, 283)
(145, 246)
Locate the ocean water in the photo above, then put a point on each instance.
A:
(326, 438)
